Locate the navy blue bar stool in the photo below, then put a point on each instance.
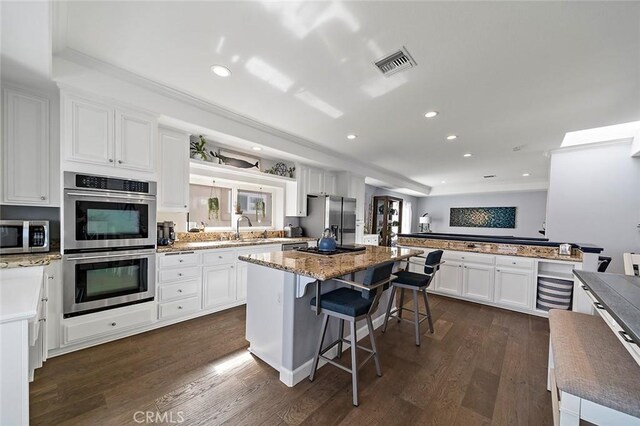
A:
(351, 305)
(417, 283)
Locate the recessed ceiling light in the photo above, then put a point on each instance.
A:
(451, 137)
(526, 174)
(444, 181)
(256, 148)
(352, 136)
(431, 114)
(467, 155)
(220, 71)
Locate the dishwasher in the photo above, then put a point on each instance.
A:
(294, 246)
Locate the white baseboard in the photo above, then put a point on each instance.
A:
(292, 378)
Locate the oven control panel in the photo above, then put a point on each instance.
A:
(111, 184)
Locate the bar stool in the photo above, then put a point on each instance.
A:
(416, 283)
(351, 305)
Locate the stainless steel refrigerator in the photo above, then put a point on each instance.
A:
(335, 213)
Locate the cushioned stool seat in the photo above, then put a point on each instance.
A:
(344, 301)
(412, 278)
(590, 363)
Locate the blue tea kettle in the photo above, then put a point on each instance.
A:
(327, 242)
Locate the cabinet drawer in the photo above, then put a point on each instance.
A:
(473, 258)
(219, 257)
(178, 259)
(102, 323)
(178, 290)
(178, 274)
(514, 262)
(179, 307)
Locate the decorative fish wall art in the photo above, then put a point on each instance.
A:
(235, 162)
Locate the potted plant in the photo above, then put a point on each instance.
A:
(199, 149)
(214, 207)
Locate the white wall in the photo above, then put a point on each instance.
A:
(594, 197)
(530, 212)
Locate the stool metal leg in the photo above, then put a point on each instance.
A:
(426, 304)
(389, 306)
(354, 363)
(340, 336)
(314, 366)
(401, 304)
(416, 317)
(376, 359)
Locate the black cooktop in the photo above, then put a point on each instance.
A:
(339, 250)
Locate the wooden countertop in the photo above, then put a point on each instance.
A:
(327, 267)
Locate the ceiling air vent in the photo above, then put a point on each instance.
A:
(395, 62)
(489, 176)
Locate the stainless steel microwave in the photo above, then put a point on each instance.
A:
(24, 236)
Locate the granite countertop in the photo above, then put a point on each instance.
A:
(511, 248)
(209, 245)
(528, 241)
(22, 260)
(327, 267)
(619, 294)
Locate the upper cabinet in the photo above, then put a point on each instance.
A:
(98, 133)
(173, 171)
(309, 181)
(26, 150)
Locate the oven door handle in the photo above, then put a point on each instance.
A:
(108, 256)
(124, 197)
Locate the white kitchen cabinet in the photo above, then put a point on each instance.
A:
(315, 181)
(449, 278)
(135, 142)
(25, 150)
(173, 179)
(99, 133)
(219, 285)
(477, 281)
(296, 193)
(329, 183)
(53, 275)
(513, 287)
(89, 130)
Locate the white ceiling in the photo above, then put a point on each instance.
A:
(501, 74)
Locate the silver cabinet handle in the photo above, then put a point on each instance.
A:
(513, 263)
(179, 307)
(231, 266)
(179, 290)
(185, 206)
(497, 270)
(219, 257)
(179, 274)
(46, 299)
(50, 277)
(180, 260)
(119, 161)
(43, 198)
(113, 324)
(111, 160)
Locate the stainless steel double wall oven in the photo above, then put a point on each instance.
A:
(109, 242)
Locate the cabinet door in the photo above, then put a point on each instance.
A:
(330, 183)
(219, 285)
(174, 171)
(26, 149)
(302, 176)
(449, 278)
(88, 131)
(513, 287)
(315, 184)
(477, 281)
(135, 141)
(241, 281)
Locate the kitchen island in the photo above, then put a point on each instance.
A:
(281, 327)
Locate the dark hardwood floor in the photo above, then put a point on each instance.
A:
(482, 366)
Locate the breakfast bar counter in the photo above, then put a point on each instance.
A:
(281, 327)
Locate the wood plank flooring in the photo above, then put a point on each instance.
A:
(482, 366)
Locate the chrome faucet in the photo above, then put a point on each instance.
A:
(238, 225)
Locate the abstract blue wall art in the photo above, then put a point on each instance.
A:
(483, 217)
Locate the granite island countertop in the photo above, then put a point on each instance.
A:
(23, 260)
(219, 244)
(327, 267)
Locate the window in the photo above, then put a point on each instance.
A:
(220, 205)
(257, 206)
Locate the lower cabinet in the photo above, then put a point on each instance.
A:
(179, 307)
(449, 278)
(241, 281)
(219, 285)
(513, 287)
(477, 281)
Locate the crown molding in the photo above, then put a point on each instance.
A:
(165, 90)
